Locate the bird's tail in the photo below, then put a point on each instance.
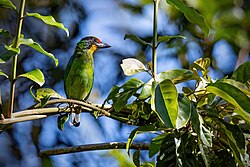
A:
(75, 119)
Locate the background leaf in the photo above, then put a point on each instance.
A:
(184, 111)
(29, 42)
(167, 38)
(166, 102)
(155, 145)
(242, 73)
(49, 20)
(191, 14)
(136, 39)
(136, 158)
(131, 66)
(61, 120)
(34, 75)
(7, 4)
(43, 92)
(5, 33)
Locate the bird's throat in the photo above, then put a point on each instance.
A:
(92, 49)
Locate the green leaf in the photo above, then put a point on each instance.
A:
(167, 155)
(34, 75)
(201, 64)
(155, 145)
(5, 33)
(184, 111)
(3, 74)
(136, 158)
(234, 96)
(191, 14)
(137, 39)
(168, 38)
(49, 20)
(146, 128)
(120, 95)
(166, 103)
(239, 85)
(132, 66)
(45, 92)
(242, 73)
(176, 75)
(7, 4)
(61, 120)
(29, 42)
(6, 54)
(204, 134)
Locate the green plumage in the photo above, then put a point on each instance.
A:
(79, 73)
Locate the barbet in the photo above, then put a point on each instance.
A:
(79, 73)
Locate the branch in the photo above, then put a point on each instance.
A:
(92, 147)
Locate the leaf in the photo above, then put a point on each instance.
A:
(145, 128)
(168, 38)
(3, 74)
(45, 92)
(7, 4)
(136, 39)
(132, 66)
(49, 20)
(166, 103)
(242, 74)
(136, 158)
(155, 145)
(176, 76)
(184, 111)
(167, 155)
(234, 96)
(201, 64)
(191, 14)
(34, 75)
(120, 95)
(6, 52)
(239, 85)
(5, 32)
(29, 42)
(61, 120)
(204, 134)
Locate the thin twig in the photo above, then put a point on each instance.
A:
(21, 119)
(92, 147)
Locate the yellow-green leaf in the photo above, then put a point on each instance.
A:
(49, 20)
(7, 4)
(34, 75)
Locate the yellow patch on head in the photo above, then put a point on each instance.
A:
(93, 48)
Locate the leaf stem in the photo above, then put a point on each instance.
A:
(154, 45)
(14, 59)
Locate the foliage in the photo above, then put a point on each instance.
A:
(199, 126)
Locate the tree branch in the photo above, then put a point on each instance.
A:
(92, 147)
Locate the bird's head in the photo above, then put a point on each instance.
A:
(92, 43)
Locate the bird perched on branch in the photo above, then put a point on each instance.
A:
(79, 73)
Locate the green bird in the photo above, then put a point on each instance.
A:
(79, 73)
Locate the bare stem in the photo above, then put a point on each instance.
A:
(14, 59)
(93, 147)
(154, 46)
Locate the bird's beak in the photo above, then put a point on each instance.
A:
(102, 45)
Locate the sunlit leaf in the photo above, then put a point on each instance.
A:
(242, 73)
(7, 4)
(49, 20)
(176, 76)
(238, 84)
(184, 111)
(155, 145)
(167, 38)
(146, 128)
(234, 96)
(132, 66)
(29, 42)
(61, 120)
(201, 64)
(3, 74)
(191, 14)
(45, 92)
(166, 103)
(4, 33)
(136, 39)
(34, 75)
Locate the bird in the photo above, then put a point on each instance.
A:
(79, 73)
